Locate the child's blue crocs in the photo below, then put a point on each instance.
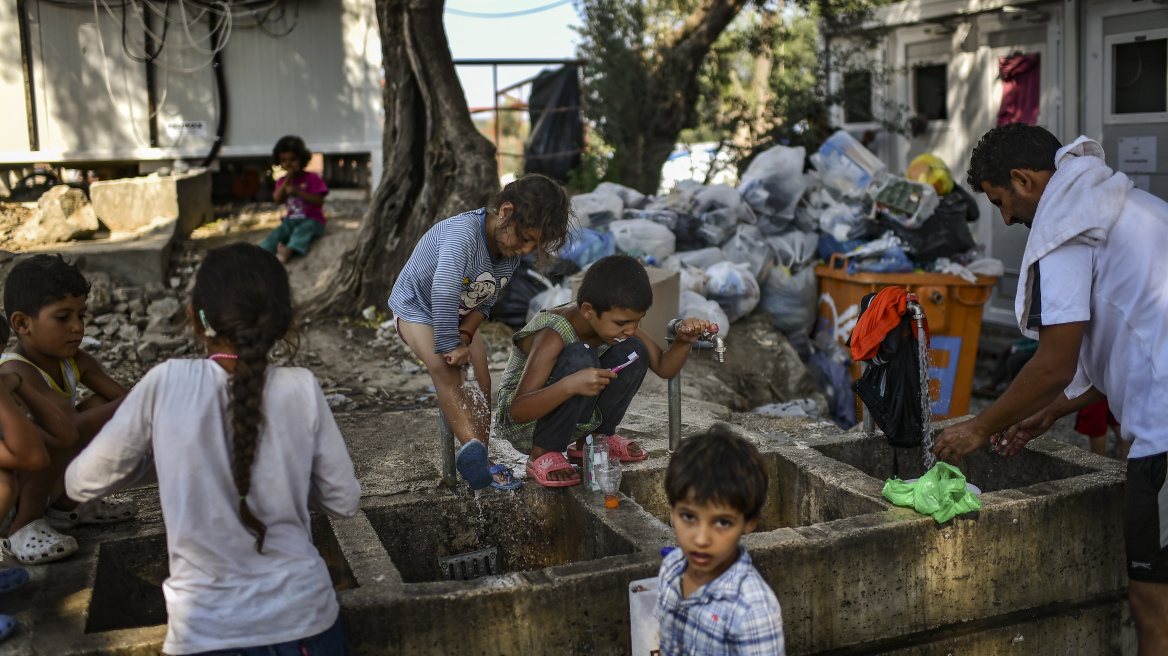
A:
(473, 464)
(7, 626)
(512, 482)
(12, 579)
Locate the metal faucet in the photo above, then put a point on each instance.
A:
(708, 339)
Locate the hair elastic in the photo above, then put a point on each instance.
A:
(210, 332)
(223, 356)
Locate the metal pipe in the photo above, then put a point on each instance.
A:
(674, 412)
(707, 340)
(449, 473)
(869, 421)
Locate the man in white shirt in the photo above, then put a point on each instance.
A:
(1094, 290)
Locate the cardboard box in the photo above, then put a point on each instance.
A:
(666, 301)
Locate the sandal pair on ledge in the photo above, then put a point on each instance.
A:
(553, 461)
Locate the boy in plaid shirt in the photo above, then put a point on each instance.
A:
(712, 601)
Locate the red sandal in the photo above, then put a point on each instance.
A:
(548, 463)
(617, 447)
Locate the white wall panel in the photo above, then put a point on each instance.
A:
(322, 82)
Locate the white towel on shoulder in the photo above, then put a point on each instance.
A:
(1080, 204)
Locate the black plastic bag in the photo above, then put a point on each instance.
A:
(891, 390)
(511, 306)
(945, 233)
(557, 137)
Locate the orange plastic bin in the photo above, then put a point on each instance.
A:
(952, 305)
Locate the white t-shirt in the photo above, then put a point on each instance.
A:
(222, 593)
(1120, 288)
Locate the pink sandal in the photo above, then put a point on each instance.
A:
(617, 446)
(548, 463)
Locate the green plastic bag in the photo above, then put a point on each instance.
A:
(941, 492)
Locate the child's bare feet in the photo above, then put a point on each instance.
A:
(283, 253)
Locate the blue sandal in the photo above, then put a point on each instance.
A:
(12, 579)
(512, 482)
(7, 626)
(473, 464)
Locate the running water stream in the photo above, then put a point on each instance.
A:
(926, 400)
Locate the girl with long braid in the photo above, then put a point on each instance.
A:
(241, 450)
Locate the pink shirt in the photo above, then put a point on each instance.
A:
(298, 208)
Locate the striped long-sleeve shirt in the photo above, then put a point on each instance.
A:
(450, 273)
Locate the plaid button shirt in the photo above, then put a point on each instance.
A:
(737, 613)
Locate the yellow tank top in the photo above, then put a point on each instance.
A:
(69, 372)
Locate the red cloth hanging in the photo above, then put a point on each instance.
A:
(1021, 89)
(883, 314)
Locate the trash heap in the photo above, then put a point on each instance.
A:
(754, 247)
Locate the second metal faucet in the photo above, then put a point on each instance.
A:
(708, 339)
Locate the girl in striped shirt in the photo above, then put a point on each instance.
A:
(447, 289)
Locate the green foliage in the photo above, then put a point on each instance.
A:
(640, 78)
(765, 82)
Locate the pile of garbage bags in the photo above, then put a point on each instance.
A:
(755, 246)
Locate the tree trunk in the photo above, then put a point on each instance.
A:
(436, 164)
(673, 94)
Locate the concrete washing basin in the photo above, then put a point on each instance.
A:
(1039, 570)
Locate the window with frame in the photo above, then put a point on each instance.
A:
(930, 91)
(1139, 80)
(857, 97)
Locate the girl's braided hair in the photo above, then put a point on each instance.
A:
(243, 292)
(541, 204)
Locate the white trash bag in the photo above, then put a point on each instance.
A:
(716, 197)
(749, 246)
(795, 249)
(632, 198)
(597, 209)
(641, 236)
(693, 278)
(791, 299)
(699, 307)
(701, 258)
(773, 183)
(734, 288)
(547, 299)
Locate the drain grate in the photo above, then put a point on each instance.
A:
(471, 565)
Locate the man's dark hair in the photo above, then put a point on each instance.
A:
(292, 144)
(616, 281)
(39, 281)
(1008, 147)
(718, 466)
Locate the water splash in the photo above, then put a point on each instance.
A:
(472, 392)
(926, 400)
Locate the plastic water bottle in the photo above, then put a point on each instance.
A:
(589, 470)
(595, 460)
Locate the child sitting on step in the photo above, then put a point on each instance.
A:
(242, 450)
(302, 193)
(559, 387)
(44, 298)
(447, 289)
(22, 449)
